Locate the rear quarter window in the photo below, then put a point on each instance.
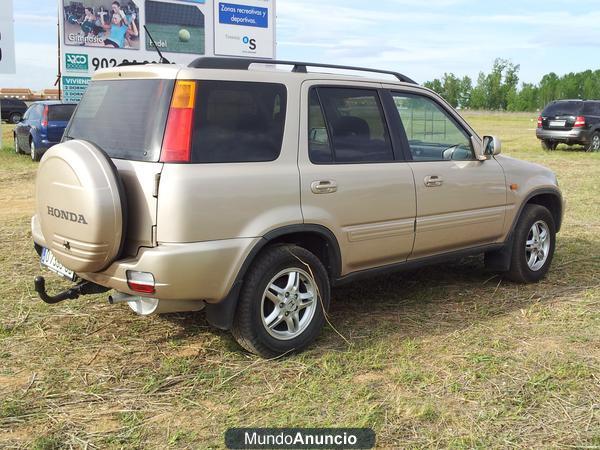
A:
(238, 122)
(591, 109)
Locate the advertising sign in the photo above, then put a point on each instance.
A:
(97, 34)
(7, 37)
(245, 29)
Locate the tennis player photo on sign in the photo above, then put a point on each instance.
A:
(99, 34)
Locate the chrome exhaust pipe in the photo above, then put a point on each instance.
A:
(119, 297)
(145, 306)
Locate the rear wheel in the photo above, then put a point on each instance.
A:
(594, 145)
(533, 245)
(35, 156)
(283, 303)
(549, 145)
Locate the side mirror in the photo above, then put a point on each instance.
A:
(491, 146)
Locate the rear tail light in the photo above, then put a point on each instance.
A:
(579, 122)
(45, 117)
(142, 282)
(540, 120)
(178, 134)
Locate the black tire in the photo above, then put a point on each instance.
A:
(594, 145)
(520, 271)
(18, 150)
(248, 328)
(549, 145)
(33, 151)
(15, 118)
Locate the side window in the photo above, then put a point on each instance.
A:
(356, 125)
(32, 112)
(432, 134)
(238, 122)
(319, 148)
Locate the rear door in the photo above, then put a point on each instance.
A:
(126, 119)
(561, 115)
(58, 118)
(461, 202)
(352, 181)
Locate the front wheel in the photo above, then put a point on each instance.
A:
(17, 147)
(594, 145)
(533, 245)
(283, 302)
(15, 118)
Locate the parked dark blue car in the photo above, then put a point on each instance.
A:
(42, 126)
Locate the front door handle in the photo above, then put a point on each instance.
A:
(433, 181)
(323, 187)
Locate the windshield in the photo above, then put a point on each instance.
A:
(563, 109)
(125, 118)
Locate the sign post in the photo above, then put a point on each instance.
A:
(98, 34)
(7, 43)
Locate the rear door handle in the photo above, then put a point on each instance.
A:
(323, 187)
(433, 181)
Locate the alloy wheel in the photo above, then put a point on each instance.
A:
(537, 246)
(595, 143)
(289, 303)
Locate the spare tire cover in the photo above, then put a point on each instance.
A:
(80, 204)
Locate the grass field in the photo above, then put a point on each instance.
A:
(448, 356)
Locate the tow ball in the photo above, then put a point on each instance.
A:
(81, 288)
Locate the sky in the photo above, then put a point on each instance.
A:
(423, 40)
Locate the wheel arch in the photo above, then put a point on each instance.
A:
(317, 239)
(550, 199)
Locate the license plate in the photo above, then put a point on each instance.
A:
(49, 260)
(558, 123)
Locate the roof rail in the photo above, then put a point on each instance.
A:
(299, 67)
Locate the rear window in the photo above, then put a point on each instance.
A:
(563, 109)
(238, 122)
(60, 113)
(125, 118)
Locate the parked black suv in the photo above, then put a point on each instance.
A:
(570, 122)
(12, 109)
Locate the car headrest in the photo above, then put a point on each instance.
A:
(347, 126)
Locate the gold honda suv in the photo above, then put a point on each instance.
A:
(250, 191)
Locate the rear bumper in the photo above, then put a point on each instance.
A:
(45, 144)
(573, 136)
(190, 271)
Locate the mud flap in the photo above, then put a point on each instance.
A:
(220, 315)
(499, 260)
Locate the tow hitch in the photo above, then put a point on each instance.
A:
(82, 288)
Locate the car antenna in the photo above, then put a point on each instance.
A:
(163, 60)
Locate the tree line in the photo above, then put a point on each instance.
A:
(500, 90)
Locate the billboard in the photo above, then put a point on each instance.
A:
(245, 29)
(97, 34)
(7, 38)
